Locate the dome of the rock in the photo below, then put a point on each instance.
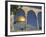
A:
(20, 18)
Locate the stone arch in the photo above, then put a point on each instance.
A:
(20, 12)
(31, 18)
(40, 20)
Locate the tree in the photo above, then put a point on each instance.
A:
(14, 9)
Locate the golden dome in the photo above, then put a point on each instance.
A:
(20, 18)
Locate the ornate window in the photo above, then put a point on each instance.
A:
(40, 20)
(20, 12)
(19, 19)
(32, 19)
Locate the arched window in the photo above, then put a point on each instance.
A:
(40, 20)
(20, 12)
(31, 18)
(17, 25)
